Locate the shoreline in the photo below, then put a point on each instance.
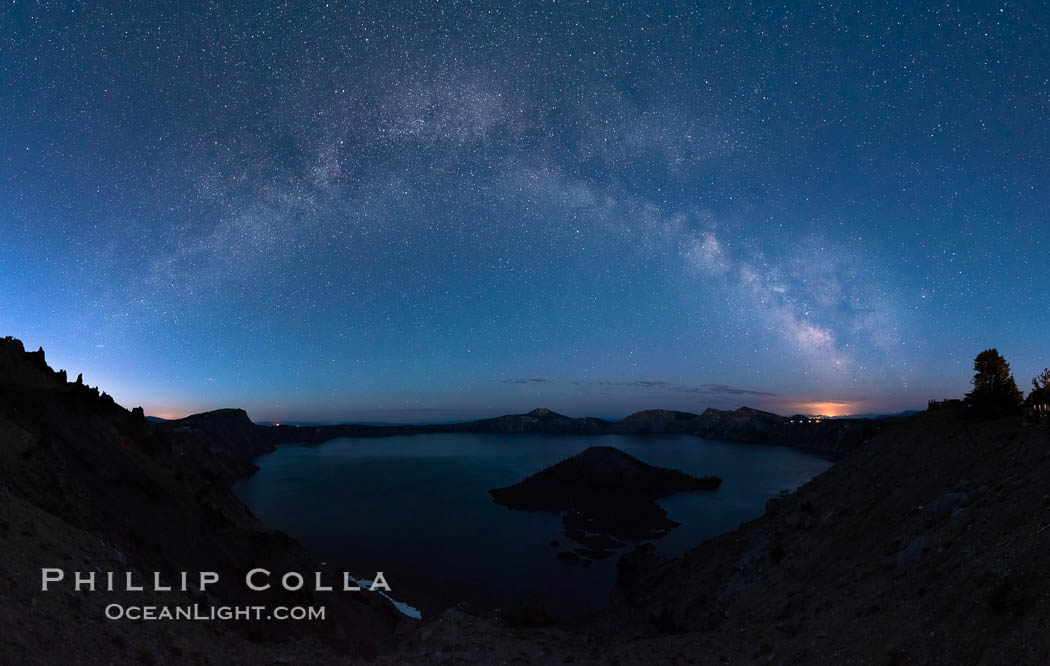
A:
(434, 599)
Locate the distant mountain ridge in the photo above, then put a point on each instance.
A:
(833, 437)
(88, 485)
(541, 420)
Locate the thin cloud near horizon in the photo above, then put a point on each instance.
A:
(701, 389)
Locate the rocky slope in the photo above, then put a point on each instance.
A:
(928, 546)
(542, 421)
(89, 486)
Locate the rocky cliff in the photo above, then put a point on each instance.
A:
(225, 441)
(88, 486)
(927, 546)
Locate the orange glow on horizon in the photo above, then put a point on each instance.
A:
(175, 413)
(164, 414)
(827, 408)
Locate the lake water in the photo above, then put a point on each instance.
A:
(418, 509)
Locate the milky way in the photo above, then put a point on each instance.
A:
(434, 211)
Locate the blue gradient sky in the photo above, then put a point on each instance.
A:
(424, 212)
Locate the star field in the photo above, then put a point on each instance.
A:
(429, 211)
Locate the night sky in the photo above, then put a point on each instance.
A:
(432, 211)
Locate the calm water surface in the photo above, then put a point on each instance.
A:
(418, 509)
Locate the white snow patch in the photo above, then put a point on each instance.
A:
(402, 607)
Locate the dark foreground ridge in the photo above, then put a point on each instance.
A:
(930, 545)
(608, 496)
(86, 485)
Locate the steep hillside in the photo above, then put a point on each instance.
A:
(928, 546)
(89, 486)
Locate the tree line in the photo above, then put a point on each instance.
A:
(995, 391)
